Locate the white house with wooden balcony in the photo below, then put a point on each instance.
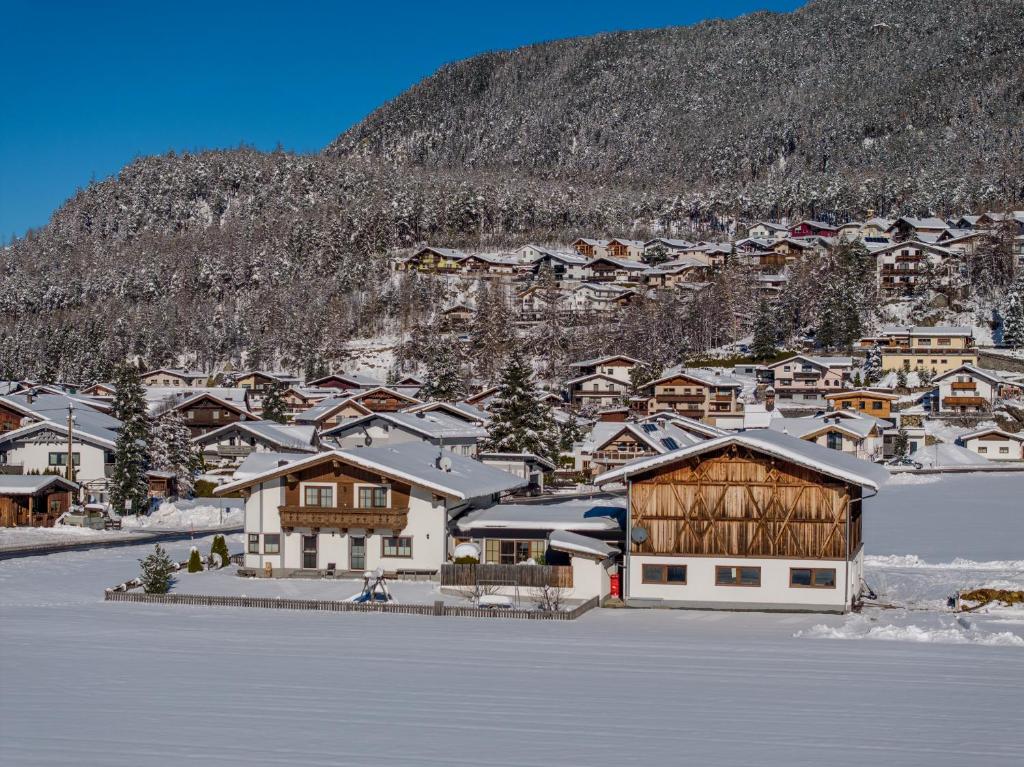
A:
(439, 428)
(597, 389)
(229, 445)
(994, 444)
(805, 380)
(357, 510)
(967, 389)
(755, 520)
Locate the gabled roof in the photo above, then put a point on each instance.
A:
(524, 457)
(431, 426)
(914, 243)
(386, 390)
(328, 407)
(53, 408)
(669, 243)
(459, 410)
(357, 380)
(832, 463)
(659, 437)
(580, 545)
(450, 253)
(822, 362)
(283, 436)
(620, 263)
(596, 243)
(27, 484)
(595, 514)
(771, 225)
(866, 393)
(705, 376)
(920, 223)
(416, 463)
(604, 360)
(812, 426)
(191, 375)
(991, 430)
(99, 438)
(697, 428)
(630, 243)
(206, 395)
(600, 376)
(972, 371)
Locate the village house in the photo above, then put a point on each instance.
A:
(357, 510)
(614, 365)
(173, 377)
(34, 501)
(967, 389)
(229, 445)
(789, 250)
(805, 380)
(875, 229)
(767, 230)
(906, 266)
(457, 316)
(870, 401)
(535, 301)
(672, 248)
(527, 466)
(431, 259)
(262, 381)
(344, 381)
(755, 520)
(858, 434)
(383, 399)
(849, 231)
(602, 298)
(299, 399)
(907, 227)
(813, 229)
(490, 264)
(566, 267)
(672, 273)
(591, 248)
(204, 411)
(631, 250)
(994, 444)
(596, 390)
(703, 394)
(613, 444)
(460, 410)
(331, 412)
(433, 428)
(935, 349)
(607, 269)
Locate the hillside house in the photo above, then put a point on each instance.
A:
(875, 229)
(755, 520)
(34, 501)
(870, 401)
(672, 273)
(457, 316)
(597, 390)
(860, 435)
(232, 443)
(433, 428)
(910, 265)
(936, 349)
(630, 250)
(332, 412)
(344, 382)
(591, 248)
(429, 259)
(204, 411)
(967, 389)
(813, 229)
(299, 399)
(767, 230)
(607, 269)
(357, 510)
(602, 298)
(994, 444)
(173, 377)
(566, 267)
(708, 395)
(806, 380)
(672, 247)
(907, 227)
(614, 444)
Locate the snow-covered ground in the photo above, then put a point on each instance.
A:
(94, 683)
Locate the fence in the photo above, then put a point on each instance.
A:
(325, 605)
(526, 576)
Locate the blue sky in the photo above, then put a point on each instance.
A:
(90, 85)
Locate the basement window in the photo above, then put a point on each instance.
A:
(737, 576)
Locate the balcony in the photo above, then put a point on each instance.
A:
(619, 456)
(697, 398)
(233, 451)
(964, 402)
(343, 518)
(963, 386)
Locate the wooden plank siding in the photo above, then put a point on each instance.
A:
(741, 504)
(524, 576)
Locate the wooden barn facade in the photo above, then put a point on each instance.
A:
(747, 522)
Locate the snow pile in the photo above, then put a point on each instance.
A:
(186, 515)
(964, 632)
(914, 561)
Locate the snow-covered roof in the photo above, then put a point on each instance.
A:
(30, 484)
(523, 457)
(921, 223)
(808, 454)
(433, 425)
(603, 360)
(985, 375)
(991, 430)
(417, 463)
(286, 436)
(858, 428)
(597, 376)
(260, 462)
(52, 409)
(574, 543)
(709, 376)
(825, 362)
(595, 514)
(326, 407)
(863, 393)
(621, 263)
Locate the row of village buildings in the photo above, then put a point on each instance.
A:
(366, 475)
(604, 275)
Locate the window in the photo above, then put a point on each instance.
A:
(272, 543)
(812, 578)
(737, 576)
(512, 552)
(61, 459)
(396, 546)
(668, 574)
(834, 440)
(1004, 451)
(191, 415)
(215, 414)
(315, 495)
(254, 543)
(876, 405)
(982, 449)
(373, 497)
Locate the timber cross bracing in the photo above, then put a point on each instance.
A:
(742, 503)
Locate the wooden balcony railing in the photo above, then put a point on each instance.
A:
(963, 386)
(343, 518)
(698, 398)
(528, 576)
(965, 402)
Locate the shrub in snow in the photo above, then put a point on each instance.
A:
(195, 561)
(220, 547)
(467, 561)
(157, 572)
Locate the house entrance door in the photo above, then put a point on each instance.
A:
(309, 552)
(357, 553)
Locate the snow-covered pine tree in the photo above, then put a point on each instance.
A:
(549, 336)
(493, 332)
(128, 484)
(765, 332)
(1013, 316)
(570, 433)
(171, 450)
(520, 421)
(273, 406)
(872, 365)
(657, 254)
(445, 382)
(157, 572)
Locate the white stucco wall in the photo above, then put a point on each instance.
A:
(1014, 448)
(35, 456)
(700, 590)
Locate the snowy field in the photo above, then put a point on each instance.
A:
(94, 683)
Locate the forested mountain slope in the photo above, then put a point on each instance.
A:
(839, 93)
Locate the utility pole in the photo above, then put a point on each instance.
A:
(70, 473)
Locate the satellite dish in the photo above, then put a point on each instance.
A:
(368, 440)
(444, 463)
(638, 534)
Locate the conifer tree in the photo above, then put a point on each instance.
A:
(171, 450)
(1013, 317)
(521, 421)
(570, 433)
(128, 486)
(493, 332)
(157, 572)
(549, 336)
(445, 382)
(273, 406)
(195, 561)
(872, 365)
(765, 333)
(219, 548)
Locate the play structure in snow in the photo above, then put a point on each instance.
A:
(375, 589)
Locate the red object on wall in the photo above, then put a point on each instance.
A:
(615, 584)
